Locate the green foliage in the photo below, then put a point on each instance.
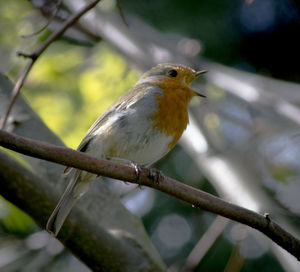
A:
(10, 12)
(14, 220)
(70, 87)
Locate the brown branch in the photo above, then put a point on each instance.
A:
(165, 184)
(34, 56)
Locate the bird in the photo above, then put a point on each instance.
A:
(141, 127)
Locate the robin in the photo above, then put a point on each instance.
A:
(141, 127)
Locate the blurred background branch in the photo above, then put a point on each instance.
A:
(30, 186)
(186, 193)
(35, 55)
(243, 139)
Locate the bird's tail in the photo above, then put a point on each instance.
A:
(75, 189)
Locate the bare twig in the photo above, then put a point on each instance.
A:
(165, 184)
(50, 19)
(15, 92)
(121, 13)
(33, 57)
(78, 27)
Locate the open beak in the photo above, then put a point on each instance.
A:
(199, 73)
(194, 76)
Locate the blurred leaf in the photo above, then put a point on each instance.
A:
(71, 105)
(13, 220)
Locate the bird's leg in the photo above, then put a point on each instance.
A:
(153, 173)
(137, 171)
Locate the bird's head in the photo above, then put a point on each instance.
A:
(173, 74)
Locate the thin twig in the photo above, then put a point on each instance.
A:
(15, 92)
(78, 27)
(195, 197)
(53, 15)
(34, 56)
(121, 13)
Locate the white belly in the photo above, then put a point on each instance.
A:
(129, 136)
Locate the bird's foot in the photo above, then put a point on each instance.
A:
(136, 166)
(155, 175)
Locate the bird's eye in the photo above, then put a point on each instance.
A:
(172, 73)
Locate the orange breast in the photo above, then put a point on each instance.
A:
(172, 114)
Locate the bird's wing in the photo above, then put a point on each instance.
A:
(124, 102)
(89, 136)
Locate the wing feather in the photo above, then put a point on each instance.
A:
(120, 105)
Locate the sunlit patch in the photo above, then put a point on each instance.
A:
(120, 233)
(42, 239)
(235, 85)
(194, 138)
(74, 102)
(248, 241)
(37, 240)
(172, 232)
(13, 219)
(53, 67)
(234, 188)
(141, 202)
